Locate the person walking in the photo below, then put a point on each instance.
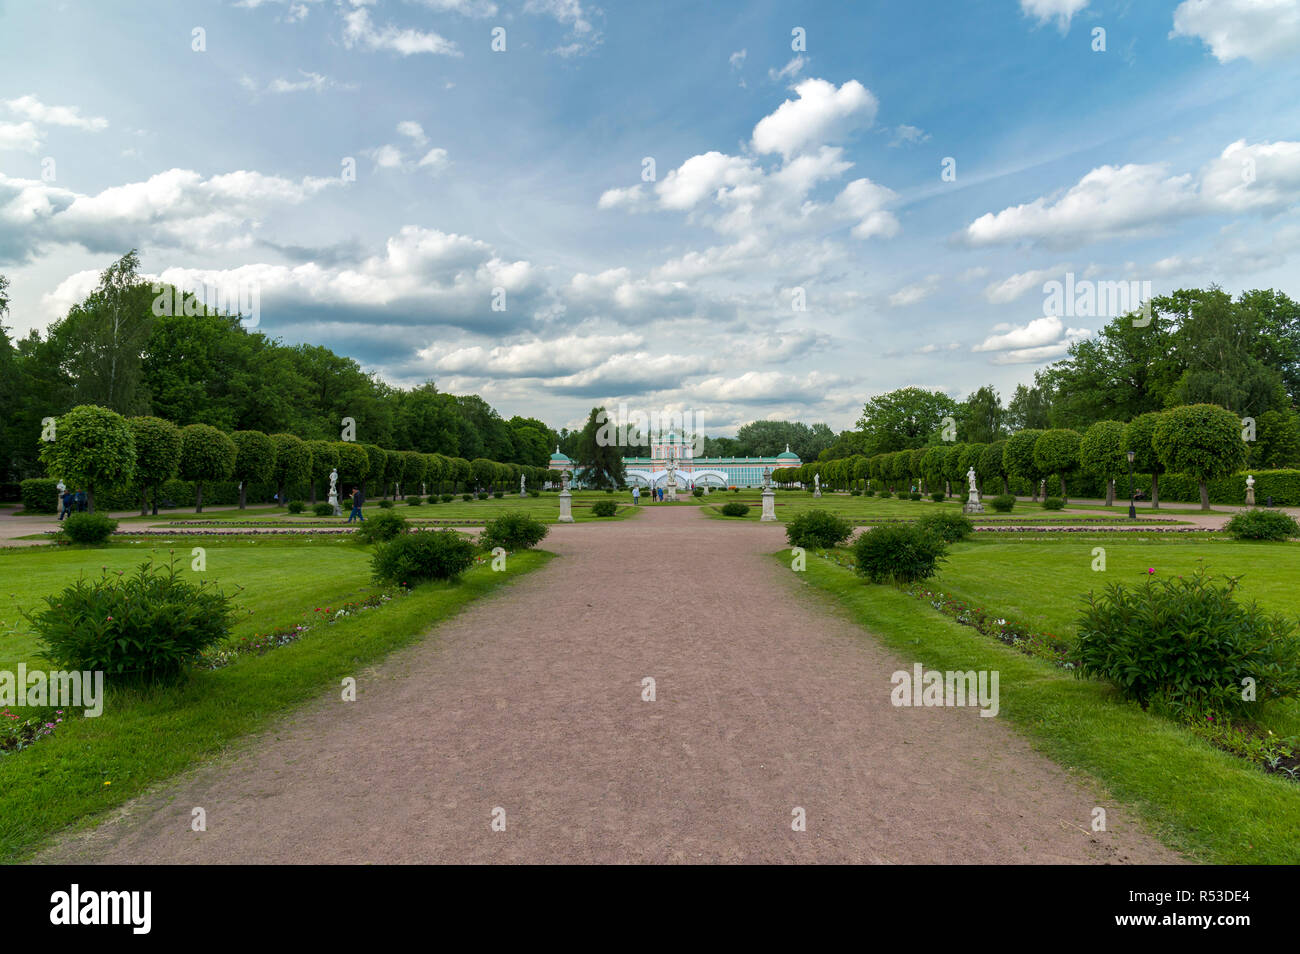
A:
(79, 501)
(67, 504)
(636, 496)
(357, 501)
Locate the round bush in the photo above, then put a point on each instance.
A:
(323, 510)
(513, 531)
(146, 627)
(381, 526)
(949, 525)
(467, 497)
(886, 493)
(869, 492)
(386, 505)
(414, 501)
(448, 498)
(498, 494)
(816, 530)
(295, 506)
(855, 493)
(423, 555)
(1245, 525)
(88, 528)
(1053, 503)
(938, 496)
(534, 493)
(433, 499)
(914, 495)
(1003, 503)
(898, 553)
(483, 495)
(1188, 644)
(604, 508)
(734, 509)
(697, 492)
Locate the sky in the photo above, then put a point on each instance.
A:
(733, 212)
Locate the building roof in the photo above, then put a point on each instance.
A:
(786, 455)
(557, 456)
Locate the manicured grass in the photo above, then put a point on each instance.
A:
(864, 510)
(1199, 800)
(91, 765)
(273, 583)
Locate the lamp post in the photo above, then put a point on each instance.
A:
(1132, 509)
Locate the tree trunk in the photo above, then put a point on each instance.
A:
(1006, 486)
(1155, 491)
(1063, 486)
(198, 498)
(243, 494)
(155, 500)
(313, 491)
(90, 498)
(1110, 492)
(144, 501)
(1205, 495)
(279, 494)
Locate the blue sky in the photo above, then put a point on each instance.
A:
(780, 175)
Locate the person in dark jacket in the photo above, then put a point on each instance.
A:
(357, 501)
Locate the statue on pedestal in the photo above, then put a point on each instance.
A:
(972, 504)
(817, 485)
(522, 492)
(334, 492)
(1250, 490)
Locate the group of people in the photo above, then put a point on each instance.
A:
(73, 503)
(656, 494)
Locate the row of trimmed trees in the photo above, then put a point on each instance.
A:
(1204, 441)
(94, 446)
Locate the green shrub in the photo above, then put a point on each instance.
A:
(467, 497)
(604, 508)
(1053, 503)
(1188, 644)
(938, 496)
(855, 493)
(734, 509)
(534, 493)
(381, 526)
(697, 492)
(483, 495)
(513, 531)
(914, 495)
(40, 495)
(146, 627)
(295, 506)
(1003, 503)
(735, 490)
(423, 555)
(386, 505)
(898, 553)
(498, 494)
(886, 493)
(433, 499)
(414, 501)
(1251, 525)
(90, 528)
(448, 498)
(868, 492)
(323, 510)
(949, 525)
(815, 530)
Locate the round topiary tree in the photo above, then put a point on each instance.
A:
(354, 464)
(971, 457)
(324, 458)
(1018, 458)
(953, 472)
(932, 467)
(157, 455)
(1138, 435)
(92, 446)
(1057, 452)
(292, 463)
(993, 464)
(392, 470)
(206, 454)
(378, 461)
(412, 472)
(1101, 454)
(254, 460)
(1203, 440)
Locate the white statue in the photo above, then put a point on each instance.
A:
(1250, 490)
(970, 476)
(1250, 481)
(767, 478)
(564, 480)
(334, 480)
(522, 492)
(817, 481)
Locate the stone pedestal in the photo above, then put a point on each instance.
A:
(817, 492)
(334, 502)
(1250, 496)
(972, 505)
(769, 505)
(566, 506)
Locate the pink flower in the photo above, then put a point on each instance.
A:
(1150, 570)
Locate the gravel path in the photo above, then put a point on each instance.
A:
(531, 701)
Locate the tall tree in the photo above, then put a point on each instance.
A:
(599, 462)
(903, 419)
(980, 416)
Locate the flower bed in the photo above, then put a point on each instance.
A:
(17, 733)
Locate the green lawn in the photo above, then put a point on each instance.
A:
(1207, 803)
(862, 510)
(92, 765)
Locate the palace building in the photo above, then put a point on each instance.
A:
(692, 471)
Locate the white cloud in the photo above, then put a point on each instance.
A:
(737, 59)
(359, 30)
(29, 107)
(916, 292)
(413, 131)
(565, 355)
(822, 113)
(765, 387)
(20, 137)
(789, 71)
(583, 35)
(1260, 30)
(434, 161)
(908, 134)
(1011, 288)
(1042, 339)
(865, 201)
(1045, 10)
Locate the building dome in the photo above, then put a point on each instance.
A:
(787, 455)
(558, 458)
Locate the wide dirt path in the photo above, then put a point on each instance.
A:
(531, 702)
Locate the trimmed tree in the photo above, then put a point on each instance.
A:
(952, 469)
(1018, 458)
(392, 470)
(483, 472)
(970, 458)
(932, 466)
(993, 463)
(292, 463)
(1203, 440)
(92, 446)
(412, 471)
(157, 455)
(1101, 454)
(1138, 435)
(324, 458)
(354, 464)
(206, 454)
(1057, 452)
(254, 460)
(378, 462)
